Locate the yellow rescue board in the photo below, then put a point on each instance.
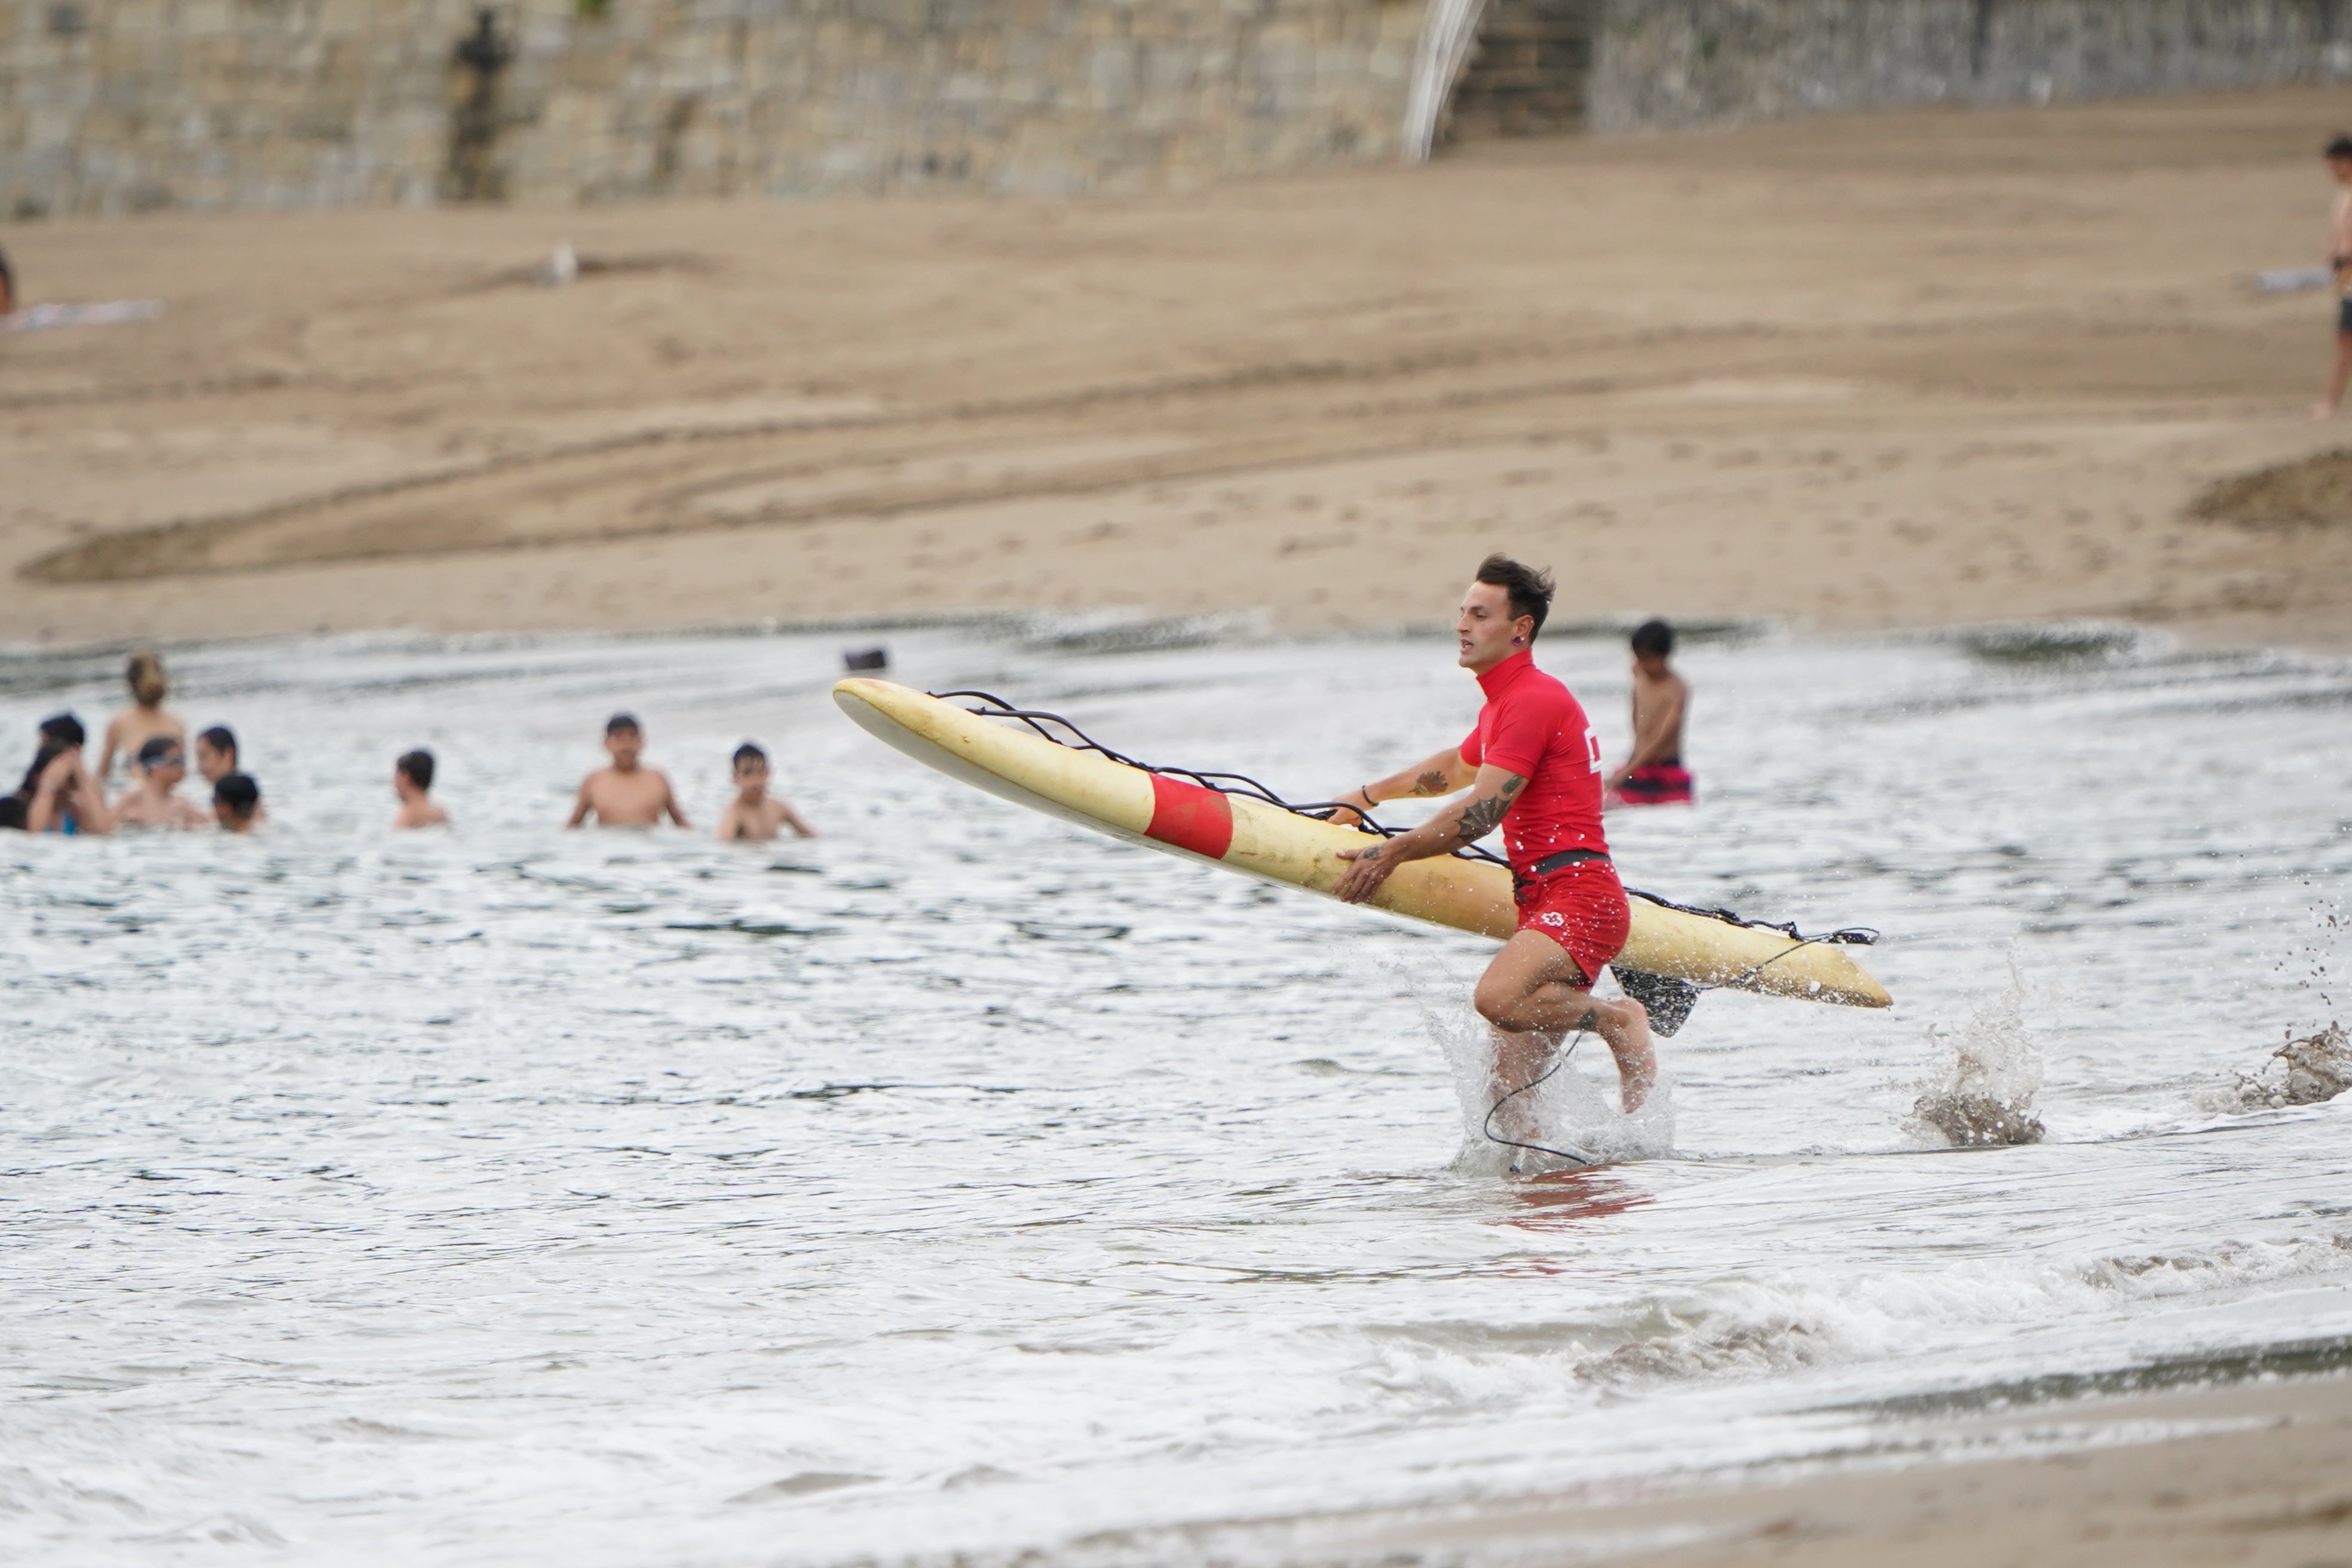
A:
(1249, 836)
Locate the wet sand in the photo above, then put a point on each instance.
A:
(2254, 1474)
(1862, 372)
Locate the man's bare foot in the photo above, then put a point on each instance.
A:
(2322, 412)
(1636, 1053)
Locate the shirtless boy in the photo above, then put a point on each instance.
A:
(236, 803)
(625, 794)
(217, 759)
(154, 801)
(412, 780)
(1653, 775)
(754, 813)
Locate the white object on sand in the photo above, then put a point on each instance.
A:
(111, 313)
(561, 267)
(2292, 279)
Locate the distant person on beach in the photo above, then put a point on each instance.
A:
(412, 780)
(146, 718)
(1654, 774)
(1533, 768)
(7, 289)
(754, 813)
(2340, 257)
(154, 801)
(626, 794)
(236, 803)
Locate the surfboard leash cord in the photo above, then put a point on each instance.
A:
(1224, 784)
(1487, 1127)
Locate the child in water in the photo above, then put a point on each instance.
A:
(1653, 775)
(154, 801)
(754, 813)
(145, 719)
(626, 794)
(412, 780)
(237, 803)
(217, 759)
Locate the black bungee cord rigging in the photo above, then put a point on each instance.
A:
(1324, 810)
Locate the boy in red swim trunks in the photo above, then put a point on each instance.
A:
(1653, 775)
(1533, 768)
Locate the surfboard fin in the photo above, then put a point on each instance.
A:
(1669, 1000)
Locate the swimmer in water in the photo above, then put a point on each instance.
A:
(1654, 774)
(754, 813)
(412, 780)
(216, 758)
(58, 793)
(1533, 768)
(626, 794)
(237, 803)
(153, 801)
(145, 719)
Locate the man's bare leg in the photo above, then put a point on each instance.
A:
(2337, 382)
(1534, 989)
(1519, 1061)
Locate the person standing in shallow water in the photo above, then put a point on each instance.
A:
(1533, 768)
(1654, 774)
(627, 794)
(145, 719)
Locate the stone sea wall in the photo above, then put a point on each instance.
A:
(132, 105)
(113, 105)
(1670, 64)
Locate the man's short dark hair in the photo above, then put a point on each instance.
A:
(749, 753)
(64, 728)
(157, 751)
(619, 723)
(1530, 591)
(238, 793)
(220, 738)
(2341, 147)
(417, 767)
(1653, 636)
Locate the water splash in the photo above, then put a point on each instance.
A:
(2307, 1071)
(1984, 1098)
(1576, 1110)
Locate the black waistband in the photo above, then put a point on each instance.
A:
(1565, 858)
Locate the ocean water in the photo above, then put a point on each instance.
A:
(959, 1185)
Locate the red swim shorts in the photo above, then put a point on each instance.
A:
(1659, 783)
(1582, 908)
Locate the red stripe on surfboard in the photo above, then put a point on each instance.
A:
(1190, 817)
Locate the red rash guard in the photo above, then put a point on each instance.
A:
(1533, 727)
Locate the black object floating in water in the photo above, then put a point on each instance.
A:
(1669, 1000)
(859, 658)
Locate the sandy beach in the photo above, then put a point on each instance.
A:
(2253, 1474)
(1849, 373)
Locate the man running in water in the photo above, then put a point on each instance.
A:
(1532, 767)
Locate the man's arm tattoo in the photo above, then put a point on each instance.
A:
(1431, 783)
(1485, 813)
